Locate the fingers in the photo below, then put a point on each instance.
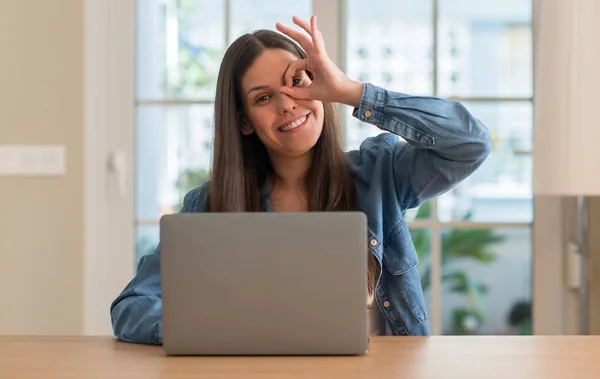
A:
(296, 93)
(302, 39)
(293, 69)
(303, 24)
(312, 30)
(317, 37)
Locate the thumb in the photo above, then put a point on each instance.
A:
(296, 93)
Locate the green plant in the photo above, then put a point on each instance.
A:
(519, 317)
(458, 244)
(465, 320)
(193, 73)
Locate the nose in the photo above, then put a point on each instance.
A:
(286, 103)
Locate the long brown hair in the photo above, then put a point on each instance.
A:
(241, 164)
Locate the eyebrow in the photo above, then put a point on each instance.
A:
(257, 88)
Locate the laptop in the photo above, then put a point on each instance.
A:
(264, 283)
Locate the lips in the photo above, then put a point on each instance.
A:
(294, 124)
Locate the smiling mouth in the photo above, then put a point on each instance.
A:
(294, 124)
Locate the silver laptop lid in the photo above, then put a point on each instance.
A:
(264, 283)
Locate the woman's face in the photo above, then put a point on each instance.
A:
(286, 126)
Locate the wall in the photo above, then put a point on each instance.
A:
(41, 102)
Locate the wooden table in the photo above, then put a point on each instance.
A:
(389, 357)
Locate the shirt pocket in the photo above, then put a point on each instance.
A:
(401, 260)
(411, 307)
(399, 253)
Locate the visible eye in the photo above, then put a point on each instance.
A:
(262, 99)
(296, 81)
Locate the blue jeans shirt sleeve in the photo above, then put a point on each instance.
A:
(443, 144)
(136, 314)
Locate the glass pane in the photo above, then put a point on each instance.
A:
(394, 48)
(500, 190)
(146, 240)
(247, 16)
(179, 46)
(486, 281)
(421, 240)
(173, 151)
(422, 212)
(485, 48)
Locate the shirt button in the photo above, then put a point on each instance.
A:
(373, 242)
(386, 304)
(368, 114)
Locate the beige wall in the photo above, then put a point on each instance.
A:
(41, 70)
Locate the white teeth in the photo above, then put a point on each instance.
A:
(293, 125)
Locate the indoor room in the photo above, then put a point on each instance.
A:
(359, 186)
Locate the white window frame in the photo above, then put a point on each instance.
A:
(108, 132)
(109, 129)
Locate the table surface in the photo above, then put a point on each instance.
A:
(481, 357)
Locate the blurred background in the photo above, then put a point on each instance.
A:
(482, 55)
(125, 90)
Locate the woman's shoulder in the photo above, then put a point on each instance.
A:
(372, 149)
(195, 200)
(373, 167)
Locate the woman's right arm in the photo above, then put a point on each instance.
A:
(136, 314)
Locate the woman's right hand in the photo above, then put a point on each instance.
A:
(329, 83)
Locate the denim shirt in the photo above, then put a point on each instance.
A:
(442, 145)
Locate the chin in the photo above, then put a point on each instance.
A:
(304, 142)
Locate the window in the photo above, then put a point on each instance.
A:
(469, 239)
(479, 53)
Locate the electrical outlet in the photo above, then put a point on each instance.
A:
(52, 159)
(33, 160)
(8, 160)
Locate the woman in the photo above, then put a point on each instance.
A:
(277, 147)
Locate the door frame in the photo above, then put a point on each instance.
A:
(108, 262)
